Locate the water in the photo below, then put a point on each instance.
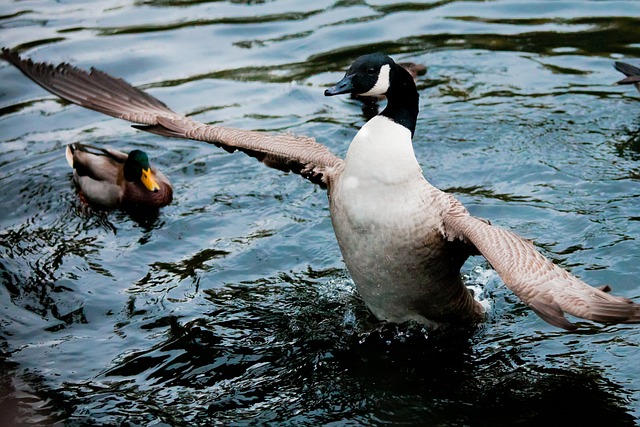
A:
(233, 306)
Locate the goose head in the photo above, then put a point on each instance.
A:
(369, 75)
(376, 74)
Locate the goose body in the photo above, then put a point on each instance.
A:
(387, 217)
(109, 178)
(392, 246)
(402, 240)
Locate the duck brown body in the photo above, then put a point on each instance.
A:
(100, 175)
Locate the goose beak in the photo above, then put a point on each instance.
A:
(149, 181)
(343, 86)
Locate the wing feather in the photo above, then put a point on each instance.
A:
(632, 73)
(101, 92)
(545, 287)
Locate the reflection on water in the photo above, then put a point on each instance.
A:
(232, 305)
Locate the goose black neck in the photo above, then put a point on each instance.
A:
(402, 99)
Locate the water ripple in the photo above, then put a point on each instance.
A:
(232, 306)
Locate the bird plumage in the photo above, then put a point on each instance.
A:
(403, 240)
(108, 178)
(632, 73)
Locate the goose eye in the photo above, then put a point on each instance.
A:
(371, 71)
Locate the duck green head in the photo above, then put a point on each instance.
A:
(137, 168)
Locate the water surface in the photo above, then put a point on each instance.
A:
(233, 305)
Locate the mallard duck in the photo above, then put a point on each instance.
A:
(109, 178)
(632, 73)
(403, 240)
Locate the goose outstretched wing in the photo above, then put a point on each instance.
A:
(547, 288)
(115, 97)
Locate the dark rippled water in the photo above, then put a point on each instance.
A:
(233, 306)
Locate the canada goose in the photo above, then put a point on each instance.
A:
(403, 240)
(109, 178)
(632, 73)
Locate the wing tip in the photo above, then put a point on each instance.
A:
(626, 69)
(553, 314)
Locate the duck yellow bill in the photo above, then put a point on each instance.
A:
(148, 180)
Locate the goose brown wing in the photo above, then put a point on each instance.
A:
(548, 289)
(101, 92)
(632, 73)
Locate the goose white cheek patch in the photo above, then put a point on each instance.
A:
(382, 85)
